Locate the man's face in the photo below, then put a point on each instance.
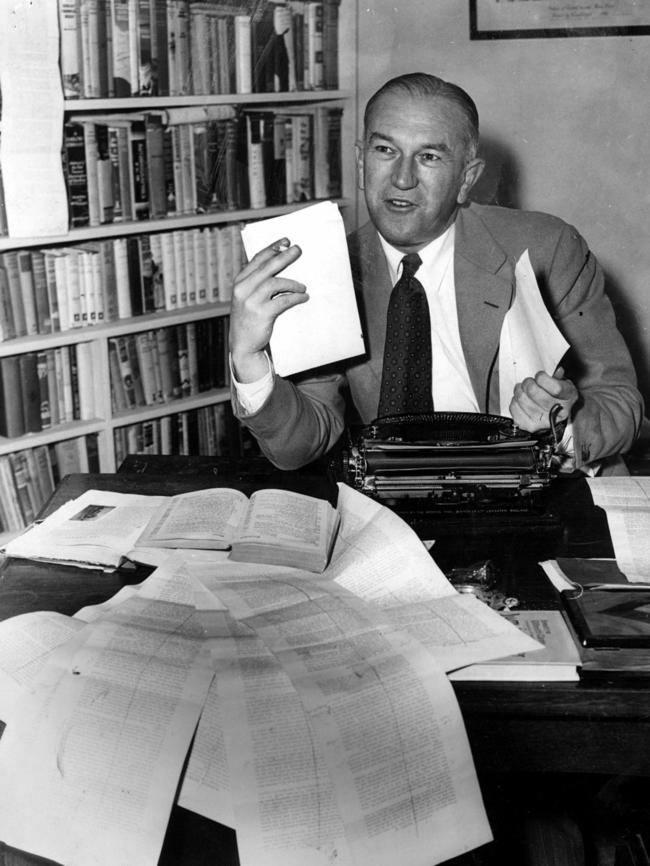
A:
(414, 167)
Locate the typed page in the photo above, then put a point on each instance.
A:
(284, 807)
(379, 558)
(388, 721)
(104, 737)
(626, 501)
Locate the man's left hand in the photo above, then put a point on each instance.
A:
(534, 398)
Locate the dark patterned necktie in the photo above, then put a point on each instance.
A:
(406, 375)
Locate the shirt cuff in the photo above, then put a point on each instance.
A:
(253, 395)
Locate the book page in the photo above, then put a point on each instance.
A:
(211, 517)
(327, 328)
(104, 738)
(284, 518)
(626, 501)
(99, 528)
(30, 143)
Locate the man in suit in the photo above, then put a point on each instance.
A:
(417, 164)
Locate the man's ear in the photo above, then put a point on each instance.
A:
(358, 150)
(473, 170)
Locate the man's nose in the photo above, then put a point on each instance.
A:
(404, 174)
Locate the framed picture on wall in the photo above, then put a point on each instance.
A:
(526, 19)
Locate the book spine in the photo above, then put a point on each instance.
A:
(12, 269)
(11, 406)
(26, 279)
(44, 390)
(256, 178)
(243, 57)
(155, 165)
(75, 174)
(41, 297)
(52, 294)
(120, 250)
(144, 352)
(169, 271)
(138, 154)
(105, 184)
(31, 395)
(69, 27)
(7, 328)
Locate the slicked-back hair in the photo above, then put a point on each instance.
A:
(418, 84)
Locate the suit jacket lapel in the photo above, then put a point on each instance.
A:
(372, 282)
(484, 280)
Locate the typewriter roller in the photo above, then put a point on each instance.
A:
(449, 460)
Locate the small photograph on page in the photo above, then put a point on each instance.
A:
(93, 512)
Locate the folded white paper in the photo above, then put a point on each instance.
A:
(530, 340)
(327, 328)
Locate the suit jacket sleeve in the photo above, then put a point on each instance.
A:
(608, 415)
(300, 421)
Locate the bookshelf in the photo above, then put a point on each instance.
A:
(101, 431)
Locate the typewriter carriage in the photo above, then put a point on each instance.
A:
(450, 461)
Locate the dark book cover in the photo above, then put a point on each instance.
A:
(75, 173)
(140, 170)
(44, 390)
(135, 276)
(31, 392)
(12, 422)
(155, 162)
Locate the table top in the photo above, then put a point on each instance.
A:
(513, 728)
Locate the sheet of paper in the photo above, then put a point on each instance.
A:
(283, 800)
(104, 736)
(327, 328)
(626, 501)
(378, 557)
(27, 640)
(530, 340)
(30, 141)
(392, 734)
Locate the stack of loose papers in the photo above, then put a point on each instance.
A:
(328, 730)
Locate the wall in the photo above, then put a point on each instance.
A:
(565, 126)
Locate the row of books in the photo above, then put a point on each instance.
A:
(123, 48)
(43, 389)
(199, 160)
(211, 430)
(167, 364)
(28, 477)
(44, 291)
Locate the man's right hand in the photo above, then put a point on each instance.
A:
(259, 297)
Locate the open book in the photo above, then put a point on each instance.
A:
(102, 528)
(273, 526)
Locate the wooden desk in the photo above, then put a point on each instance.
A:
(513, 728)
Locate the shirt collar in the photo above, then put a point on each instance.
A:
(429, 254)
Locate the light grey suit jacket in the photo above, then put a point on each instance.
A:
(303, 418)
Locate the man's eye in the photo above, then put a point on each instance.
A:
(429, 157)
(383, 149)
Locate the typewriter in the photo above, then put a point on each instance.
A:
(449, 462)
